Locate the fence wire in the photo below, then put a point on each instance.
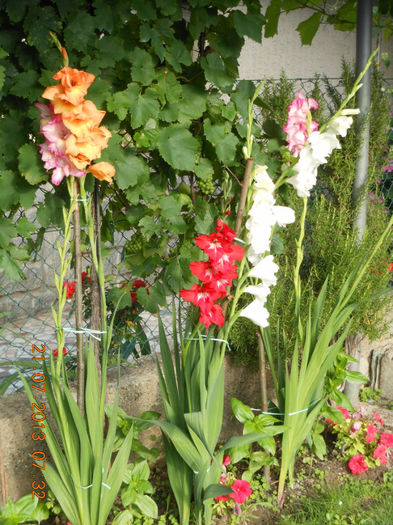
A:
(25, 305)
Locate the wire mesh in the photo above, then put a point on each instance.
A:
(25, 305)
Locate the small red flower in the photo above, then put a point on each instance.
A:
(357, 465)
(241, 491)
(344, 412)
(221, 498)
(56, 353)
(70, 288)
(138, 283)
(378, 418)
(85, 279)
(390, 267)
(380, 453)
(371, 433)
(386, 439)
(226, 461)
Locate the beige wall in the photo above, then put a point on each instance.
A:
(285, 52)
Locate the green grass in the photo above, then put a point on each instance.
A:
(358, 502)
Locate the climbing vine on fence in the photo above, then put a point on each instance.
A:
(176, 145)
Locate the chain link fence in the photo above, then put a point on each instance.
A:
(26, 317)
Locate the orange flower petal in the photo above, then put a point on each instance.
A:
(102, 171)
(75, 83)
(84, 117)
(52, 91)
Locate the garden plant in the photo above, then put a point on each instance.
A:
(214, 201)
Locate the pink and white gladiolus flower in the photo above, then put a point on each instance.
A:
(317, 150)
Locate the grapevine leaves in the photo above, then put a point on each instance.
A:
(166, 125)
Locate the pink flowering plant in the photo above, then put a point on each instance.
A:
(241, 491)
(361, 441)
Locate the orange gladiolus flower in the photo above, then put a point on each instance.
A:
(75, 84)
(102, 171)
(82, 151)
(83, 118)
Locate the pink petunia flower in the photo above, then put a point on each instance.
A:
(241, 491)
(380, 453)
(386, 439)
(357, 464)
(371, 433)
(378, 418)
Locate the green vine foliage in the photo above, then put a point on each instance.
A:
(172, 138)
(331, 247)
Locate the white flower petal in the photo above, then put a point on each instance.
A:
(283, 215)
(257, 313)
(265, 270)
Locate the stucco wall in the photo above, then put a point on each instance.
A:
(285, 52)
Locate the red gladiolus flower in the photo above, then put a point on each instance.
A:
(371, 432)
(200, 296)
(241, 491)
(357, 465)
(216, 274)
(213, 315)
(386, 439)
(70, 288)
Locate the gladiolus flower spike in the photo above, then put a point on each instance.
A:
(216, 274)
(71, 127)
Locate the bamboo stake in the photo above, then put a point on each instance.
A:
(243, 196)
(96, 312)
(78, 302)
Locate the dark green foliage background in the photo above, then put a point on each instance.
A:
(152, 61)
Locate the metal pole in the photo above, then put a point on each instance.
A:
(359, 197)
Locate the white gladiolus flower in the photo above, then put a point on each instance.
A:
(257, 313)
(283, 215)
(306, 171)
(340, 125)
(322, 144)
(261, 291)
(265, 270)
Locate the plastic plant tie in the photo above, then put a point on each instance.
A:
(210, 339)
(81, 200)
(89, 486)
(87, 331)
(240, 240)
(283, 414)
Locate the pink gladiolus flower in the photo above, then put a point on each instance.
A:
(296, 126)
(371, 432)
(357, 465)
(241, 491)
(386, 439)
(380, 453)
